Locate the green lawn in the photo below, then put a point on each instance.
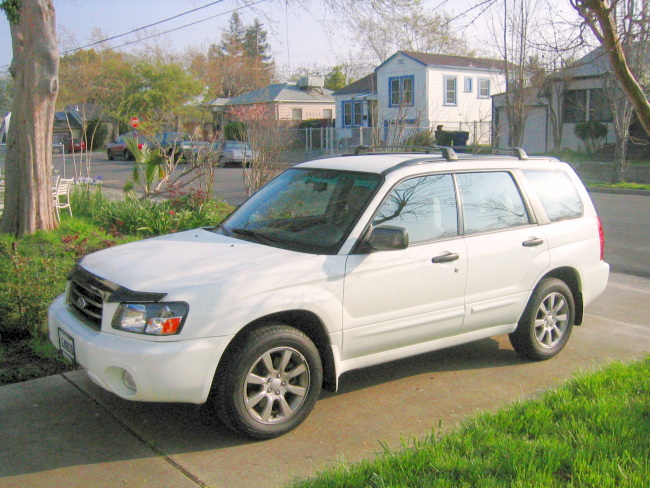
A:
(594, 431)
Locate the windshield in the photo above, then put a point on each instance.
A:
(235, 145)
(305, 210)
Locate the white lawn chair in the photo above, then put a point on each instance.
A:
(62, 196)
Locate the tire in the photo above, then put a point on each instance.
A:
(110, 156)
(547, 322)
(268, 383)
(221, 162)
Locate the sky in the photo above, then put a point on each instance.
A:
(298, 37)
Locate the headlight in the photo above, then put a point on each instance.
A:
(163, 318)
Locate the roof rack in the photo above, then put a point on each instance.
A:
(447, 152)
(519, 152)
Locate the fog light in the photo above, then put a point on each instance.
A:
(129, 381)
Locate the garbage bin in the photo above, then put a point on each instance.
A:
(460, 138)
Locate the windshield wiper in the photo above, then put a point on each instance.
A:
(258, 236)
(226, 231)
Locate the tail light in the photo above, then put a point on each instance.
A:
(601, 236)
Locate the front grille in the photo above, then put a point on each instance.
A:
(87, 302)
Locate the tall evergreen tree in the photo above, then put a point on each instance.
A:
(256, 45)
(232, 39)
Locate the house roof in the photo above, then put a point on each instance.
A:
(451, 61)
(594, 63)
(367, 84)
(283, 92)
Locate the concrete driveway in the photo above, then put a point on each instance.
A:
(62, 431)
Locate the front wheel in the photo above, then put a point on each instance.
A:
(269, 383)
(110, 156)
(547, 321)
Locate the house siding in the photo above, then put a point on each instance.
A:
(309, 111)
(429, 108)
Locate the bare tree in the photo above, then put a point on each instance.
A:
(35, 66)
(406, 30)
(601, 17)
(513, 32)
(267, 140)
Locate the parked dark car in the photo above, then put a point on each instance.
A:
(169, 143)
(118, 147)
(74, 145)
(196, 152)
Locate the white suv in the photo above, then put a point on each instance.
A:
(337, 264)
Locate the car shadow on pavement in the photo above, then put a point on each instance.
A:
(490, 353)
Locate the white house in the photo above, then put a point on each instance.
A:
(418, 91)
(356, 111)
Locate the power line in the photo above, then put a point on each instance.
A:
(187, 25)
(160, 22)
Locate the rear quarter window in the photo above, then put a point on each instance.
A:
(557, 193)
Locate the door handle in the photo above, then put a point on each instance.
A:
(448, 257)
(533, 242)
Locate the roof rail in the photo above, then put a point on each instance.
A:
(447, 152)
(515, 151)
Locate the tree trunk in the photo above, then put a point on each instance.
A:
(599, 15)
(35, 65)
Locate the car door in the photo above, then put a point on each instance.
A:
(395, 299)
(507, 253)
(117, 147)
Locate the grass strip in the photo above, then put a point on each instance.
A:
(594, 431)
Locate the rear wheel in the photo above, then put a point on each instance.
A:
(110, 156)
(547, 321)
(269, 383)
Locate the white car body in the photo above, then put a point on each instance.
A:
(372, 307)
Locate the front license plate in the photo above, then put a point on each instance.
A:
(67, 346)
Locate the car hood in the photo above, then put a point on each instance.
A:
(191, 258)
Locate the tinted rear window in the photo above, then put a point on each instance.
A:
(557, 193)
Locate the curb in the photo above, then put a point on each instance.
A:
(619, 191)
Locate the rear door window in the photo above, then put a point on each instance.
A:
(490, 202)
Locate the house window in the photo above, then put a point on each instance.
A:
(347, 114)
(327, 113)
(450, 90)
(599, 107)
(352, 114)
(468, 84)
(574, 106)
(484, 88)
(296, 114)
(401, 91)
(358, 113)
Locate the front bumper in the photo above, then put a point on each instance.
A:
(178, 371)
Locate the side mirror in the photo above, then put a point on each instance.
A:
(387, 238)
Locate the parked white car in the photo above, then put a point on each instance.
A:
(337, 264)
(229, 151)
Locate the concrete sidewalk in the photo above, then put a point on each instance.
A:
(63, 431)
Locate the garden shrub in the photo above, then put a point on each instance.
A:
(235, 130)
(592, 134)
(424, 138)
(33, 272)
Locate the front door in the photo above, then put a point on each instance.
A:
(395, 299)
